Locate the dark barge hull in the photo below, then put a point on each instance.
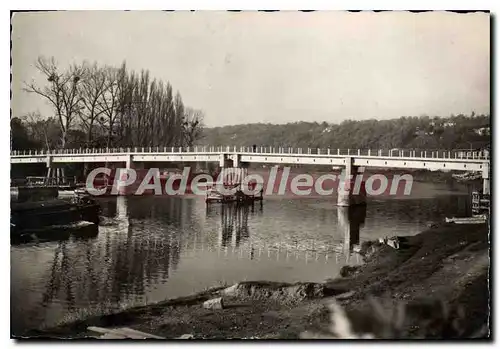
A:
(37, 215)
(79, 230)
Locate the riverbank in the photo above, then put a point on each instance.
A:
(440, 276)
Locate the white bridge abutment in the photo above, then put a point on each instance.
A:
(486, 180)
(351, 189)
(49, 163)
(486, 186)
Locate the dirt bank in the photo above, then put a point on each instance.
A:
(436, 283)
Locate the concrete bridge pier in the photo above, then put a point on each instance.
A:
(129, 163)
(242, 167)
(121, 208)
(350, 220)
(120, 182)
(234, 171)
(486, 180)
(48, 178)
(351, 189)
(136, 165)
(486, 186)
(122, 214)
(49, 169)
(55, 174)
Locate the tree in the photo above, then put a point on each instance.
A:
(179, 117)
(192, 126)
(126, 108)
(20, 139)
(46, 133)
(409, 132)
(108, 102)
(93, 86)
(106, 106)
(168, 122)
(62, 92)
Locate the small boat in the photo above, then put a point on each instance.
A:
(25, 193)
(213, 195)
(80, 191)
(27, 216)
(468, 176)
(479, 219)
(63, 194)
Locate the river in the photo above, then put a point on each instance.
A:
(151, 248)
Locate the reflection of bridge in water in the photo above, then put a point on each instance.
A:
(351, 219)
(274, 251)
(128, 256)
(111, 268)
(234, 231)
(234, 235)
(234, 228)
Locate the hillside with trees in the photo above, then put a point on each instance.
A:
(454, 132)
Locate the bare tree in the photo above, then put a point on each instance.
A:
(126, 106)
(167, 117)
(42, 131)
(178, 119)
(192, 126)
(112, 106)
(140, 103)
(62, 92)
(93, 87)
(108, 103)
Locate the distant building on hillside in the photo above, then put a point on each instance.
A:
(482, 131)
(327, 129)
(421, 133)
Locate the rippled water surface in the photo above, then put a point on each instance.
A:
(151, 248)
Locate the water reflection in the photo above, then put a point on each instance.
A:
(351, 219)
(152, 248)
(234, 228)
(57, 284)
(63, 233)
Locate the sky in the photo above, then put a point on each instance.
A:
(274, 67)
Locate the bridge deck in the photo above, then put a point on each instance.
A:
(395, 158)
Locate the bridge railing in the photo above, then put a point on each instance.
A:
(402, 153)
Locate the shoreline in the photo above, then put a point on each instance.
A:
(444, 268)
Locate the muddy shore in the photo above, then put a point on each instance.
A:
(436, 285)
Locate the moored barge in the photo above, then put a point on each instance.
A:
(35, 215)
(239, 196)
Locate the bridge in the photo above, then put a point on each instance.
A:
(240, 157)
